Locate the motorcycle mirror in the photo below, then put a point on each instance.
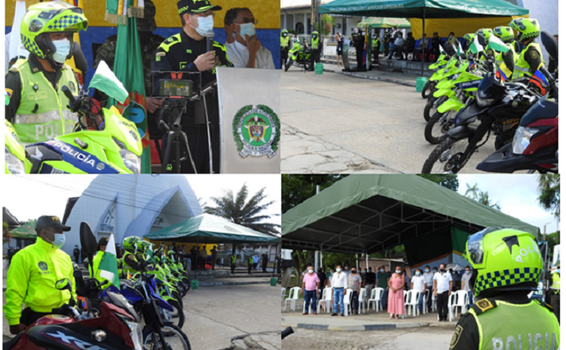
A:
(550, 44)
(88, 240)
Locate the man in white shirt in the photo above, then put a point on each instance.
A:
(466, 285)
(339, 284)
(442, 285)
(418, 283)
(428, 275)
(242, 45)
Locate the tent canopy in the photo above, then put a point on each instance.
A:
(206, 228)
(414, 8)
(382, 22)
(26, 231)
(370, 213)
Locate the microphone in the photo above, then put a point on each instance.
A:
(209, 41)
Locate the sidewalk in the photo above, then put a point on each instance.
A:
(370, 321)
(232, 282)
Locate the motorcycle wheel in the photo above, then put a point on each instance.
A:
(437, 128)
(430, 109)
(427, 89)
(446, 158)
(288, 64)
(179, 313)
(174, 337)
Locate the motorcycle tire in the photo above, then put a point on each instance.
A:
(428, 89)
(446, 157)
(288, 64)
(174, 336)
(437, 128)
(430, 108)
(180, 314)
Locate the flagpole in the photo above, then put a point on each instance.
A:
(422, 42)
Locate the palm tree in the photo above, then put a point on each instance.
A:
(239, 210)
(473, 190)
(485, 200)
(549, 188)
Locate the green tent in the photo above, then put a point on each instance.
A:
(26, 231)
(207, 229)
(383, 22)
(370, 213)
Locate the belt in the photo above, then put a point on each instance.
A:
(338, 288)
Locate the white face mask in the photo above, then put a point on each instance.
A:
(59, 240)
(418, 273)
(205, 25)
(311, 271)
(338, 270)
(246, 28)
(62, 49)
(398, 271)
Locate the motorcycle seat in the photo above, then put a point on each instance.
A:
(10, 343)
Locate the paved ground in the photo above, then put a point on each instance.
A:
(335, 123)
(428, 338)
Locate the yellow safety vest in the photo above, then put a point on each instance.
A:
(51, 118)
(31, 280)
(522, 67)
(555, 281)
(315, 42)
(233, 259)
(285, 41)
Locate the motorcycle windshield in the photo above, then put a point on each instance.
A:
(123, 130)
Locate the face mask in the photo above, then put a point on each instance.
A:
(426, 270)
(418, 273)
(62, 49)
(353, 271)
(435, 271)
(205, 25)
(310, 271)
(246, 28)
(398, 271)
(338, 270)
(442, 270)
(284, 35)
(467, 272)
(557, 270)
(381, 270)
(59, 240)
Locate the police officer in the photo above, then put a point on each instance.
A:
(530, 57)
(507, 266)
(33, 274)
(375, 43)
(133, 260)
(358, 41)
(95, 272)
(555, 292)
(284, 46)
(316, 47)
(232, 263)
(38, 107)
(250, 263)
(186, 52)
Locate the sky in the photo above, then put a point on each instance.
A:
(30, 196)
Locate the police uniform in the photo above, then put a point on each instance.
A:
(487, 325)
(529, 61)
(358, 40)
(555, 294)
(38, 108)
(178, 53)
(284, 48)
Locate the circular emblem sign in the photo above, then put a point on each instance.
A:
(42, 266)
(256, 131)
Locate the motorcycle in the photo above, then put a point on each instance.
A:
(441, 68)
(104, 141)
(15, 153)
(300, 53)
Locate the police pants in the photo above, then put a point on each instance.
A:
(29, 316)
(232, 268)
(442, 306)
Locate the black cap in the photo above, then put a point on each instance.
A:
(46, 221)
(103, 241)
(196, 6)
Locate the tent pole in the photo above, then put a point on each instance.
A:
(196, 261)
(422, 42)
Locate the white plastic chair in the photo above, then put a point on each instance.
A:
(457, 299)
(412, 301)
(433, 302)
(283, 292)
(375, 298)
(426, 295)
(326, 298)
(293, 297)
(347, 301)
(362, 300)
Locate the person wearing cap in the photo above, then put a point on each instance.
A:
(284, 46)
(95, 272)
(242, 44)
(33, 274)
(187, 52)
(507, 266)
(436, 42)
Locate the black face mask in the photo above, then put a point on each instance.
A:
(442, 270)
(353, 271)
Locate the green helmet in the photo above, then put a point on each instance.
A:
(171, 256)
(50, 17)
(469, 37)
(526, 28)
(504, 33)
(131, 243)
(284, 31)
(485, 32)
(503, 259)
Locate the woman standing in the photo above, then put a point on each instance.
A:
(396, 306)
(339, 46)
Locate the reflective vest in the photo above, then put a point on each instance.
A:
(513, 326)
(522, 67)
(555, 281)
(234, 259)
(126, 268)
(315, 42)
(375, 43)
(95, 264)
(31, 280)
(251, 260)
(51, 117)
(285, 41)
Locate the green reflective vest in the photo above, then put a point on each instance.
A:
(315, 42)
(233, 259)
(555, 281)
(522, 66)
(51, 118)
(512, 326)
(127, 268)
(375, 44)
(251, 260)
(285, 41)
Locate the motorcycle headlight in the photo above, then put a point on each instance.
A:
(482, 99)
(130, 159)
(136, 334)
(522, 139)
(14, 164)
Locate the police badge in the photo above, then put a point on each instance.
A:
(256, 131)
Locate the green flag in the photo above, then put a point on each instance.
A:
(496, 44)
(475, 46)
(109, 264)
(128, 67)
(105, 81)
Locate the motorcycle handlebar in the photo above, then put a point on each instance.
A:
(69, 94)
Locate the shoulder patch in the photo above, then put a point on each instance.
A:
(483, 305)
(456, 336)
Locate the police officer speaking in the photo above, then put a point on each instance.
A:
(33, 273)
(186, 52)
(507, 266)
(38, 107)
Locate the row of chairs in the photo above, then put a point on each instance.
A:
(458, 299)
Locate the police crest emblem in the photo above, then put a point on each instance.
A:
(256, 131)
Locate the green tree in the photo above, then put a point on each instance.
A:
(243, 211)
(325, 25)
(449, 181)
(549, 189)
(473, 192)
